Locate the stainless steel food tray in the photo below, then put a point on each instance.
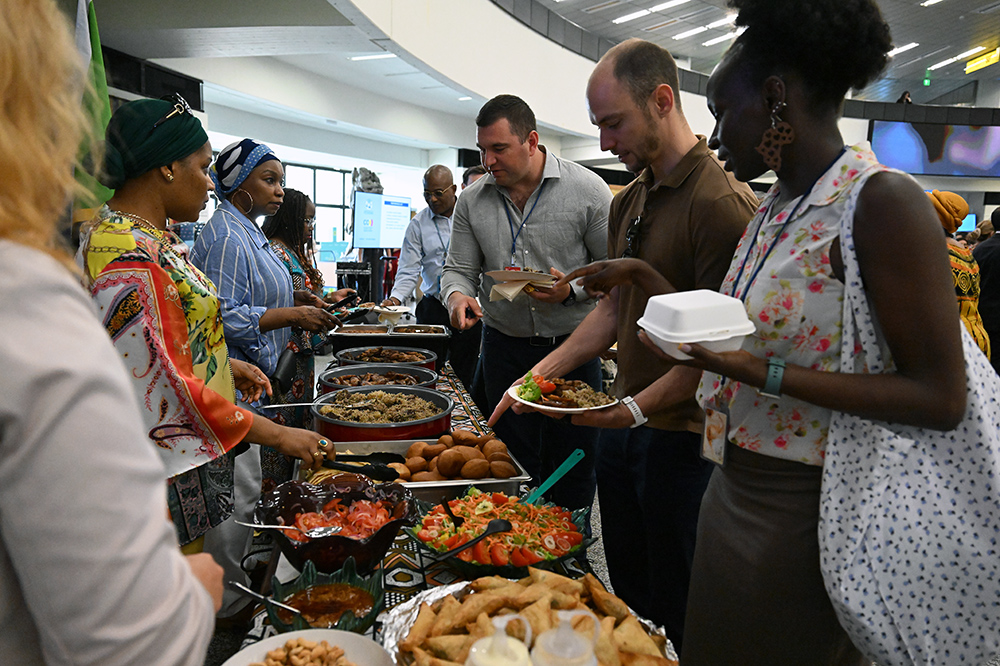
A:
(437, 491)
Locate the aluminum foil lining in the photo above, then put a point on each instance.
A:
(396, 623)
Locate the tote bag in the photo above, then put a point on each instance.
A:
(910, 518)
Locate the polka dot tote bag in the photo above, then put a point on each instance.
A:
(910, 518)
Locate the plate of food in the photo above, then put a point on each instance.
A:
(447, 620)
(543, 534)
(525, 275)
(559, 396)
(329, 647)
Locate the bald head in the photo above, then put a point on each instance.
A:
(439, 190)
(640, 67)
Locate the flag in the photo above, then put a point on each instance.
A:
(96, 104)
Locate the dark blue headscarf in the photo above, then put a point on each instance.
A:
(235, 163)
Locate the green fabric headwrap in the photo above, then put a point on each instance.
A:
(131, 149)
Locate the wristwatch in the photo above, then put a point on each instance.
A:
(775, 373)
(637, 414)
(571, 299)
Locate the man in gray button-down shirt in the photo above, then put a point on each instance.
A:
(533, 210)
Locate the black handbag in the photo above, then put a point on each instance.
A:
(284, 372)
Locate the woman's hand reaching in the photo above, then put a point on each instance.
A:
(250, 380)
(600, 277)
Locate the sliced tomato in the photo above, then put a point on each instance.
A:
(455, 541)
(425, 535)
(499, 555)
(517, 557)
(308, 521)
(465, 555)
(544, 385)
(573, 537)
(481, 553)
(499, 499)
(530, 556)
(555, 544)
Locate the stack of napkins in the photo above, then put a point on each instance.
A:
(508, 290)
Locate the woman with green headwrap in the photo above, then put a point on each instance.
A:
(163, 314)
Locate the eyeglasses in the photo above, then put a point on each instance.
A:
(632, 238)
(437, 194)
(180, 106)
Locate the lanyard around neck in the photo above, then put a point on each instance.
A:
(437, 230)
(510, 221)
(777, 237)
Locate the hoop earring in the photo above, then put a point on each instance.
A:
(779, 134)
(240, 208)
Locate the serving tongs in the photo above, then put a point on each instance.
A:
(373, 470)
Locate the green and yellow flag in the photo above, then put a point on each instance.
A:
(96, 104)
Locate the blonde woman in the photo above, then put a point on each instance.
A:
(90, 570)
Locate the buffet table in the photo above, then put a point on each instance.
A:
(407, 569)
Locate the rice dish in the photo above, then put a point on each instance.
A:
(384, 408)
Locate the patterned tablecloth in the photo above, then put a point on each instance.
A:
(408, 569)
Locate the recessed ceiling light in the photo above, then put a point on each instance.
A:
(971, 52)
(668, 5)
(928, 3)
(466, 99)
(632, 16)
(377, 56)
(721, 22)
(719, 40)
(690, 33)
(900, 49)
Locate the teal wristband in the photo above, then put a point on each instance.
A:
(775, 373)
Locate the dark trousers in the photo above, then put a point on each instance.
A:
(650, 483)
(540, 443)
(463, 346)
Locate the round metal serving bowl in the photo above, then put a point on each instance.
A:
(349, 356)
(349, 431)
(328, 554)
(423, 376)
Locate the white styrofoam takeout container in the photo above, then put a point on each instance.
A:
(715, 321)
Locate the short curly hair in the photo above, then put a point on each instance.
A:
(834, 45)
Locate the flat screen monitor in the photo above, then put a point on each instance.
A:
(380, 220)
(968, 224)
(937, 150)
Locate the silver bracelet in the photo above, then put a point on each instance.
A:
(637, 414)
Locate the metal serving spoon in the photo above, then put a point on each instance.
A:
(261, 598)
(314, 533)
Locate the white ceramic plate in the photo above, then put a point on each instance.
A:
(512, 392)
(543, 279)
(358, 649)
(391, 309)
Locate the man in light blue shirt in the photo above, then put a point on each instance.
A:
(421, 260)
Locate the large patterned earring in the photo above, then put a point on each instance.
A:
(779, 134)
(240, 208)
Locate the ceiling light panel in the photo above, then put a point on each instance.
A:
(691, 33)
(602, 6)
(902, 49)
(631, 17)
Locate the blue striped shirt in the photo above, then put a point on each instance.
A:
(251, 279)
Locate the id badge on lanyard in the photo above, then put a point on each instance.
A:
(716, 434)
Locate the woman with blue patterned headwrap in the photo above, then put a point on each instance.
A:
(259, 307)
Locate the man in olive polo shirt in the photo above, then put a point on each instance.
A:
(684, 215)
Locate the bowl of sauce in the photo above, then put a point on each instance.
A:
(342, 600)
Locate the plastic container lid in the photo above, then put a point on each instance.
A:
(694, 316)
(562, 646)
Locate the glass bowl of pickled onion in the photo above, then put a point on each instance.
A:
(370, 514)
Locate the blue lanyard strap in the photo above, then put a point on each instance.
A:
(510, 221)
(777, 237)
